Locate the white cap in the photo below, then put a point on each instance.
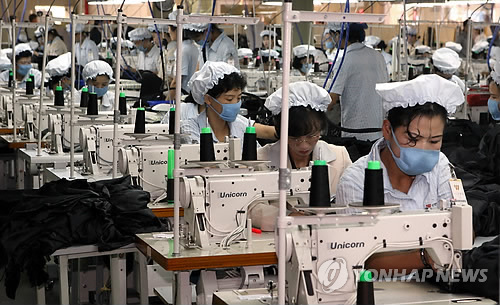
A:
(22, 37)
(423, 49)
(269, 53)
(372, 41)
(207, 77)
(335, 26)
(494, 55)
(78, 28)
(301, 50)
(495, 73)
(480, 46)
(161, 28)
(33, 44)
(301, 94)
(96, 68)
(429, 88)
(411, 31)
(23, 47)
(139, 34)
(267, 33)
(454, 46)
(446, 60)
(196, 27)
(59, 65)
(245, 52)
(5, 62)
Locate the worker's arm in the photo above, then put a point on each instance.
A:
(335, 99)
(265, 131)
(407, 260)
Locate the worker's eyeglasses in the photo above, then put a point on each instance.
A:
(311, 139)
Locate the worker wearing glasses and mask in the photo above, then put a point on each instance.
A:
(24, 68)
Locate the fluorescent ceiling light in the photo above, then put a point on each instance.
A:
(272, 2)
(119, 2)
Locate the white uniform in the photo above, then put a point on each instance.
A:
(87, 52)
(149, 61)
(222, 49)
(56, 47)
(4, 77)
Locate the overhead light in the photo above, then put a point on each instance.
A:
(119, 2)
(272, 2)
(319, 2)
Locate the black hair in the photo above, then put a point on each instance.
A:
(56, 79)
(32, 17)
(228, 83)
(381, 45)
(302, 121)
(193, 35)
(55, 33)
(297, 61)
(356, 32)
(23, 54)
(400, 116)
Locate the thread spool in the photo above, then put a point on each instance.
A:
(32, 76)
(59, 96)
(319, 195)
(411, 73)
(250, 144)
(84, 97)
(207, 152)
(427, 70)
(92, 107)
(11, 79)
(316, 67)
(140, 121)
(171, 121)
(373, 193)
(277, 63)
(365, 295)
(245, 61)
(170, 175)
(257, 62)
(122, 103)
(29, 86)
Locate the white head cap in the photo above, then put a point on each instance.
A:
(495, 73)
(245, 52)
(372, 41)
(23, 47)
(429, 88)
(196, 27)
(267, 33)
(335, 26)
(59, 65)
(494, 55)
(207, 77)
(446, 60)
(96, 68)
(454, 46)
(423, 49)
(22, 37)
(139, 34)
(480, 46)
(40, 31)
(301, 50)
(411, 31)
(78, 28)
(301, 94)
(269, 53)
(163, 28)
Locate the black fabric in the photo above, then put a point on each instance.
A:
(485, 202)
(66, 213)
(490, 149)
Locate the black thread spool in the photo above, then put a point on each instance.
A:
(316, 67)
(84, 97)
(245, 61)
(319, 194)
(92, 107)
(365, 295)
(207, 152)
(140, 121)
(427, 70)
(171, 121)
(170, 175)
(250, 144)
(411, 73)
(30, 85)
(277, 64)
(32, 76)
(11, 79)
(257, 62)
(59, 96)
(122, 103)
(373, 193)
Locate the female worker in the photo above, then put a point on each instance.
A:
(302, 63)
(97, 75)
(24, 69)
(307, 121)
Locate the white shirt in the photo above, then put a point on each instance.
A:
(188, 111)
(388, 61)
(222, 49)
(4, 77)
(361, 106)
(149, 61)
(87, 52)
(56, 47)
(426, 190)
(190, 58)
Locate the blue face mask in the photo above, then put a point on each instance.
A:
(23, 69)
(493, 109)
(329, 45)
(229, 111)
(305, 68)
(99, 91)
(141, 48)
(414, 161)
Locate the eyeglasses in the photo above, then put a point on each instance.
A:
(300, 140)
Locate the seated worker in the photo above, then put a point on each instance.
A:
(147, 57)
(97, 75)
(55, 44)
(219, 47)
(217, 88)
(24, 68)
(86, 49)
(301, 65)
(446, 63)
(59, 71)
(307, 121)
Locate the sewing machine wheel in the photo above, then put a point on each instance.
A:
(375, 208)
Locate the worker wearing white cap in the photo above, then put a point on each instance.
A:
(220, 47)
(22, 56)
(59, 71)
(303, 59)
(217, 89)
(307, 106)
(267, 39)
(412, 39)
(354, 87)
(98, 74)
(86, 49)
(453, 46)
(446, 63)
(149, 53)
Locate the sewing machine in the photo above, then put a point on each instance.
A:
(27, 112)
(325, 254)
(55, 128)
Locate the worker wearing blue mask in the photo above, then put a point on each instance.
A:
(302, 63)
(494, 87)
(149, 53)
(23, 54)
(98, 74)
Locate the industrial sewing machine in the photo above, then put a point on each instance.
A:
(325, 253)
(27, 112)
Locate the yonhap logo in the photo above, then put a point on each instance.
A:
(333, 274)
(232, 194)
